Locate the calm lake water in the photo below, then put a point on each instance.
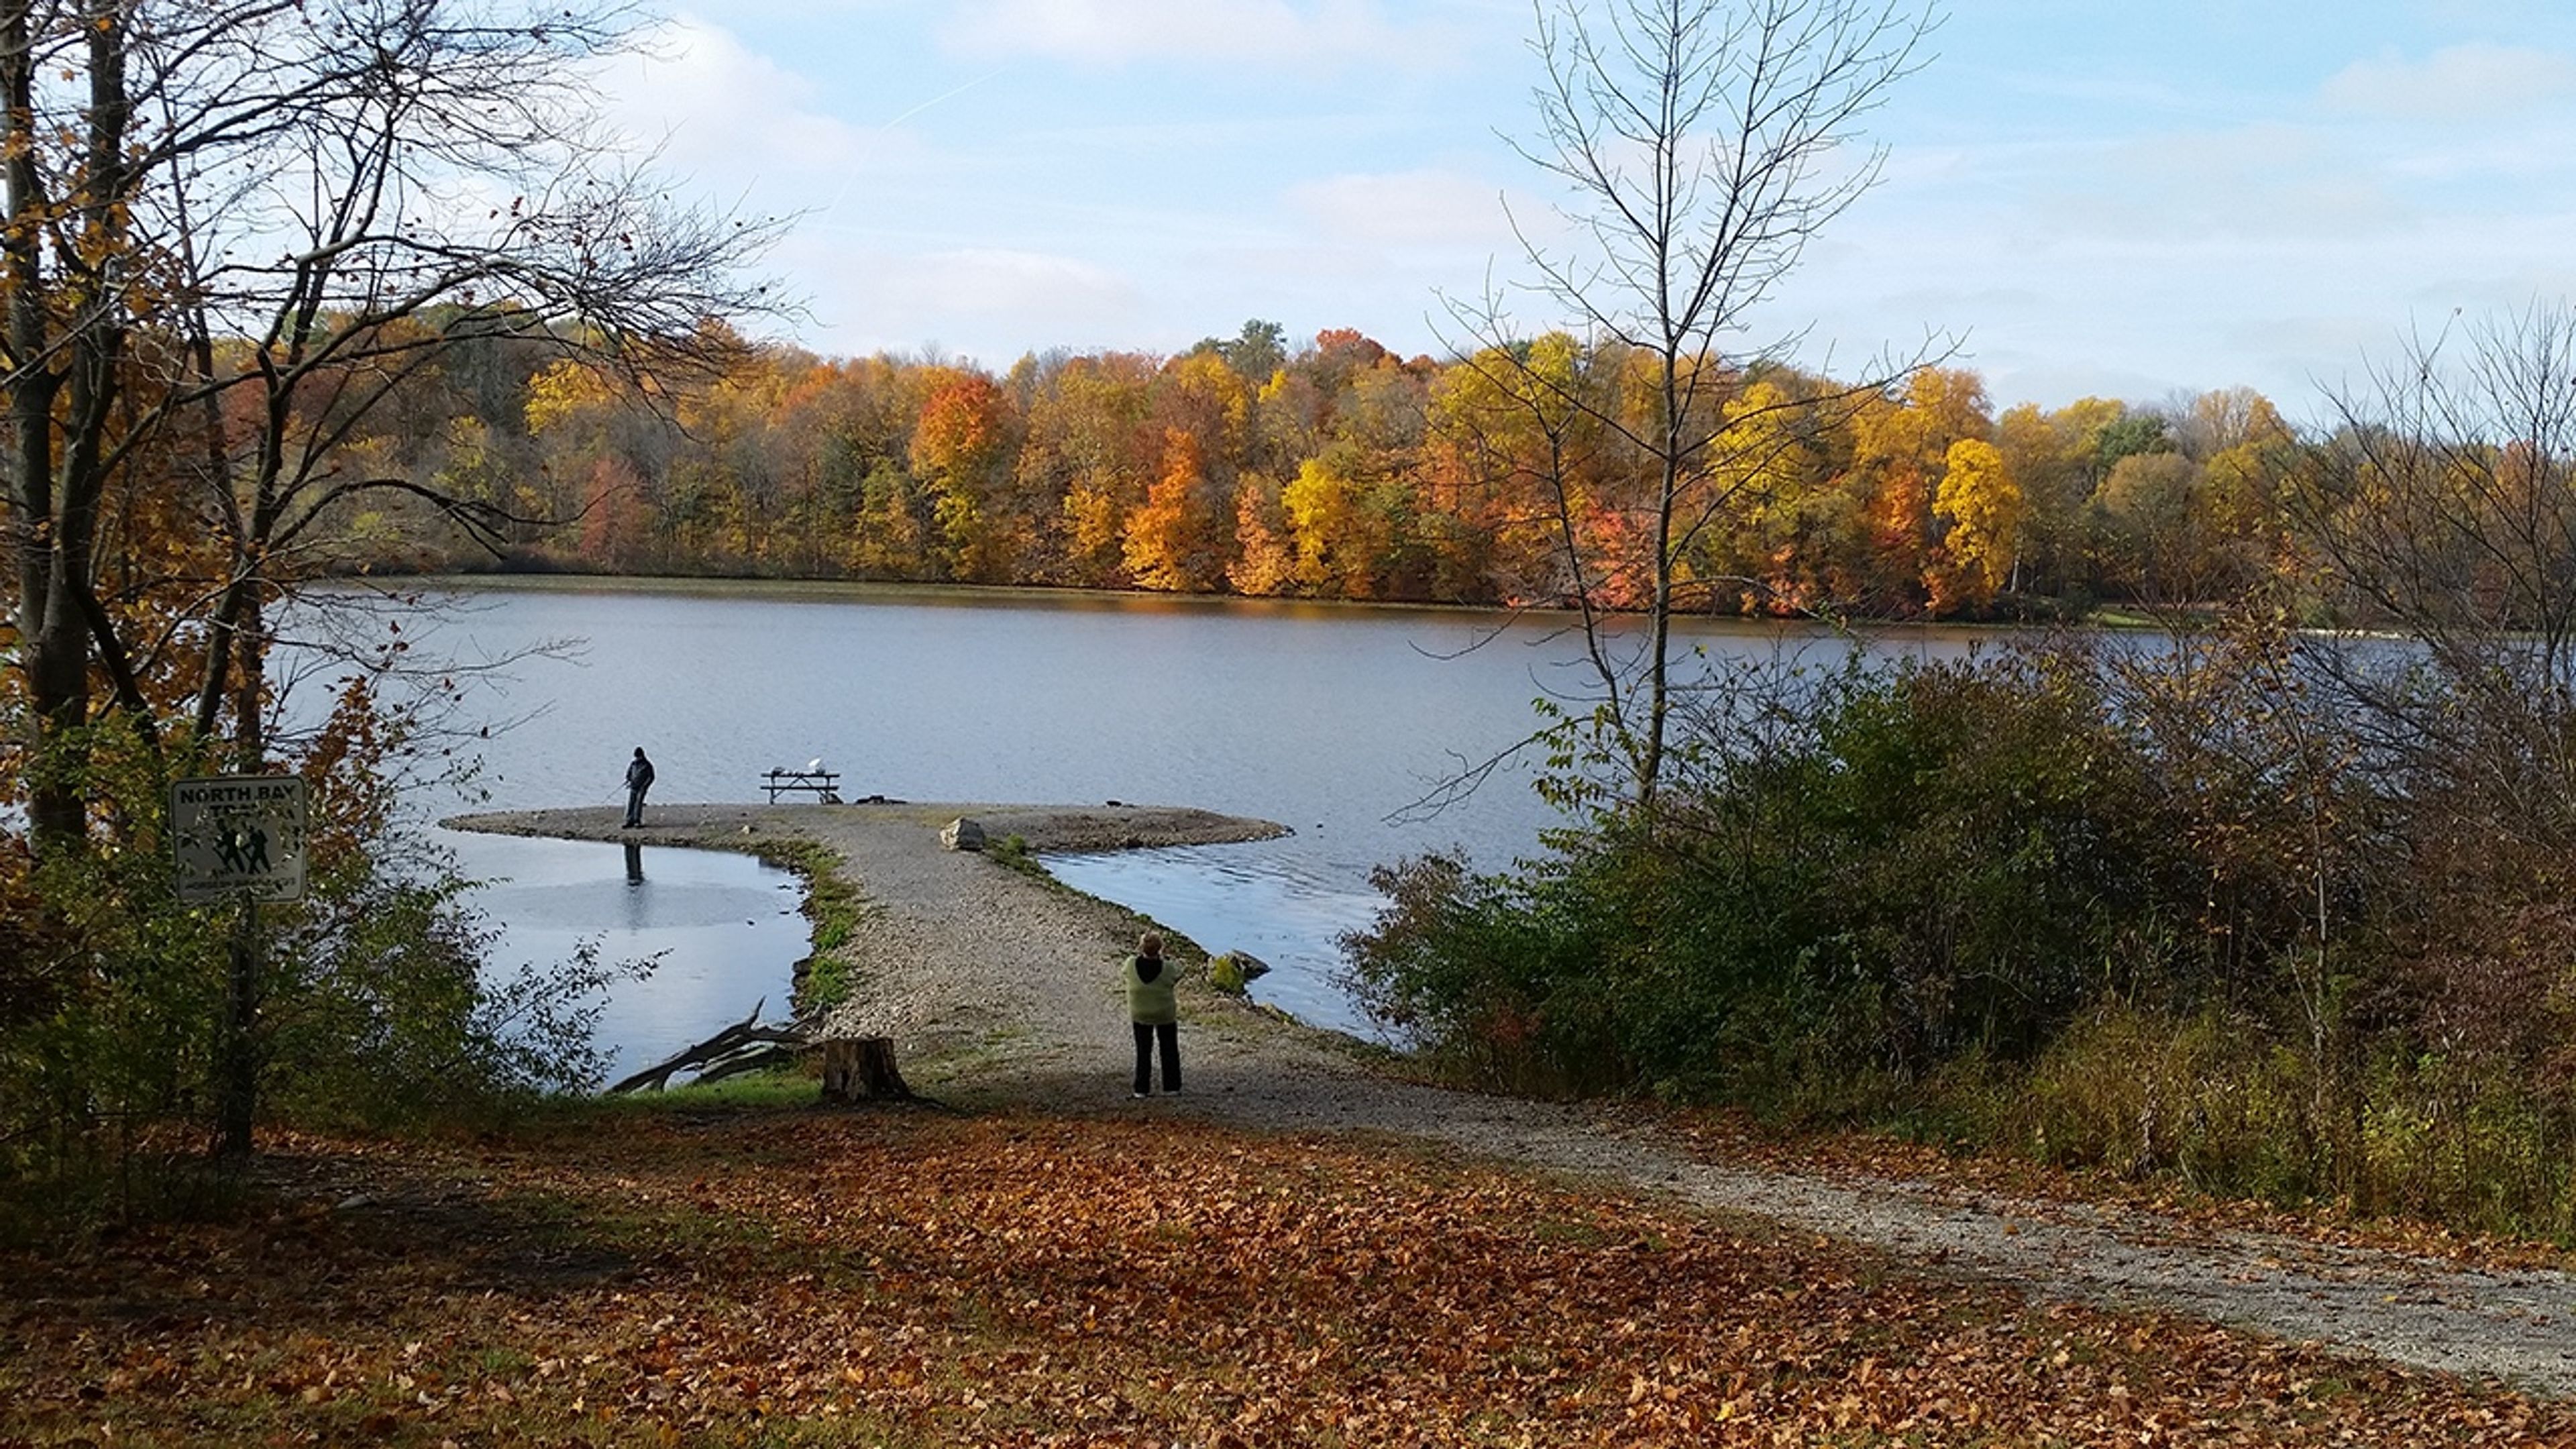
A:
(1327, 719)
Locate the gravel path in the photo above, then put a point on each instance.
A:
(1001, 988)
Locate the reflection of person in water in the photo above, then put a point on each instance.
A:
(637, 902)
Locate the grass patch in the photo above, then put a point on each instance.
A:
(1013, 852)
(835, 908)
(773, 1090)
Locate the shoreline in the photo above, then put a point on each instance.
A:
(899, 591)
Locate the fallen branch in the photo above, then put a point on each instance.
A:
(756, 1058)
(720, 1055)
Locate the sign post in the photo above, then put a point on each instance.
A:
(239, 838)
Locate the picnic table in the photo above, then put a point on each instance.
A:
(824, 785)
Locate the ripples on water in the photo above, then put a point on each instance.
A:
(1248, 898)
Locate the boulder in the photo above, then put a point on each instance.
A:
(962, 834)
(1234, 970)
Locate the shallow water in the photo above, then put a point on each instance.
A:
(719, 931)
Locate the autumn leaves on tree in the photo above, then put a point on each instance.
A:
(1344, 473)
(249, 251)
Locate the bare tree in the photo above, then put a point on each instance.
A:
(1701, 144)
(2442, 509)
(234, 232)
(453, 192)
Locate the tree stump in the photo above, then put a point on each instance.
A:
(861, 1069)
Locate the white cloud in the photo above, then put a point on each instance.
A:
(1406, 208)
(725, 114)
(992, 302)
(1125, 30)
(2459, 82)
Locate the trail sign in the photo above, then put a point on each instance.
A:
(238, 835)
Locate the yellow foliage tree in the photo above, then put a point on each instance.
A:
(567, 389)
(1172, 541)
(1265, 559)
(1338, 541)
(1982, 506)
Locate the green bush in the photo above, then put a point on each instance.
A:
(372, 1007)
(1940, 860)
(2166, 933)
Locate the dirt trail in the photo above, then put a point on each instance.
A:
(999, 987)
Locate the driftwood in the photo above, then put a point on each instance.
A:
(738, 1048)
(855, 1069)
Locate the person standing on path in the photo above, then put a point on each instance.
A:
(639, 778)
(1156, 1013)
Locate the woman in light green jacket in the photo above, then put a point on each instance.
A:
(1155, 1012)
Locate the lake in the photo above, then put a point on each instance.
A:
(1330, 719)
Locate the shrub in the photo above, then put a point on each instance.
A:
(371, 1006)
(2177, 914)
(1939, 859)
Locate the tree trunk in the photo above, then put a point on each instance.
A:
(51, 641)
(250, 682)
(861, 1069)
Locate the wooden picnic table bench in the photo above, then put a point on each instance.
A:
(823, 785)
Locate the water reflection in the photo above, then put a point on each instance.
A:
(722, 930)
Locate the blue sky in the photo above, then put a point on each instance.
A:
(2112, 198)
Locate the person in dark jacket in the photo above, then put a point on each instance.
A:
(1155, 1012)
(639, 778)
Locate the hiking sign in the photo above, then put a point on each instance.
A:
(238, 835)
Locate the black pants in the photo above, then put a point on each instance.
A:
(634, 806)
(1169, 1033)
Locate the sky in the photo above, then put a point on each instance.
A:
(2085, 197)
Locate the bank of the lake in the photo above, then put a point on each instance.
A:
(1001, 990)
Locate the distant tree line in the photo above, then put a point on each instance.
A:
(1335, 470)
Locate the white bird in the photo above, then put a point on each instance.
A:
(814, 766)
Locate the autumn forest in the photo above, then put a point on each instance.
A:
(1330, 469)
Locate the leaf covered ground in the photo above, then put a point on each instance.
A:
(906, 1278)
